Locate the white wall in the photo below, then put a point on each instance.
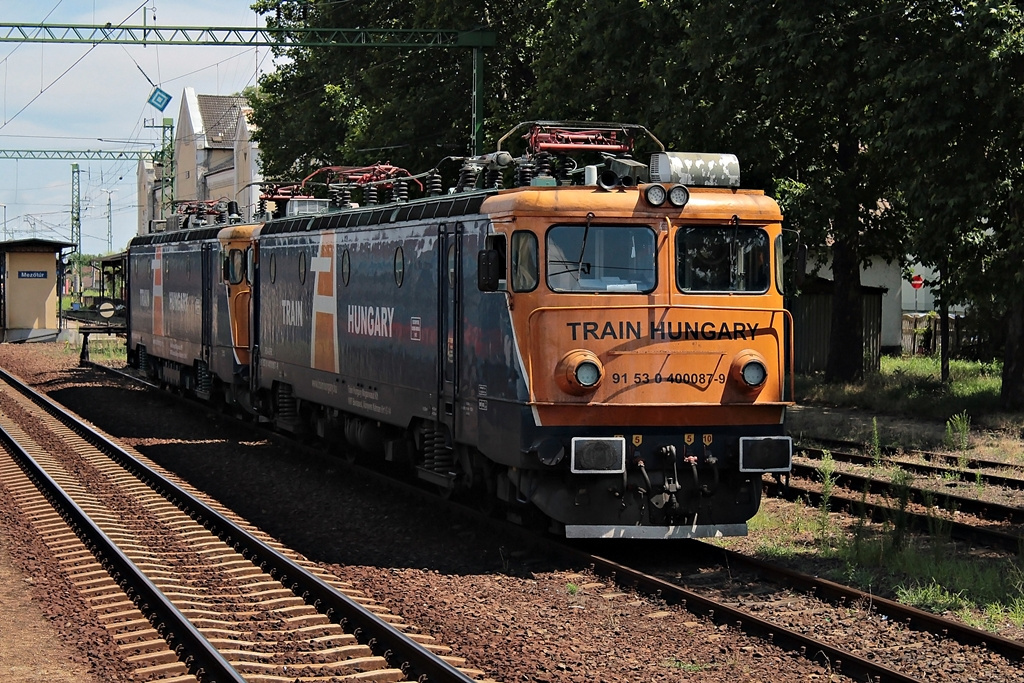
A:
(889, 277)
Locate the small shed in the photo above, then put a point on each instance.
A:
(30, 278)
(812, 321)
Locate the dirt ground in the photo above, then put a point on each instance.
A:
(30, 649)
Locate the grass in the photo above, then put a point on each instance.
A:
(933, 597)
(912, 386)
(876, 444)
(916, 411)
(103, 349)
(827, 473)
(931, 573)
(905, 406)
(958, 434)
(689, 667)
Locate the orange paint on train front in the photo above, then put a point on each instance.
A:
(669, 358)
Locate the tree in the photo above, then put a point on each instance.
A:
(785, 83)
(355, 106)
(952, 75)
(611, 61)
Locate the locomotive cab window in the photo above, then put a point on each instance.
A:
(234, 266)
(607, 258)
(722, 259)
(524, 261)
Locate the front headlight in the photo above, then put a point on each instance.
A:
(754, 373)
(579, 372)
(749, 370)
(588, 373)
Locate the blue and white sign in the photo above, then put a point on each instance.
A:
(159, 99)
(32, 274)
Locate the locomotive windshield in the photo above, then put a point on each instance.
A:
(721, 259)
(604, 258)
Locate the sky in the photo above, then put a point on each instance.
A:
(57, 96)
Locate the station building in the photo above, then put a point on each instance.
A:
(31, 273)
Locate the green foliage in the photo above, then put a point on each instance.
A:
(911, 386)
(107, 350)
(411, 107)
(934, 575)
(572, 588)
(876, 444)
(827, 472)
(958, 432)
(899, 502)
(932, 597)
(689, 667)
(884, 128)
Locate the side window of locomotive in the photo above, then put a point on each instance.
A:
(524, 261)
(778, 264)
(608, 258)
(722, 259)
(499, 244)
(234, 266)
(250, 265)
(399, 266)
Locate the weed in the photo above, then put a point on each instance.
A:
(876, 446)
(1015, 613)
(958, 431)
(950, 476)
(934, 597)
(689, 667)
(979, 484)
(776, 550)
(571, 588)
(857, 576)
(899, 490)
(827, 472)
(938, 526)
(104, 350)
(860, 526)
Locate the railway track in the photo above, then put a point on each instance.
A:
(966, 518)
(856, 634)
(993, 535)
(972, 471)
(185, 591)
(897, 631)
(961, 461)
(984, 509)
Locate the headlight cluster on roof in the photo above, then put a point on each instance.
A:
(657, 194)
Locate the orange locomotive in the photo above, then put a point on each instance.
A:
(604, 343)
(649, 319)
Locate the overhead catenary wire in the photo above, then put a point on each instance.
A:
(34, 195)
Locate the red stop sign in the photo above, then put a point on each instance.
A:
(917, 282)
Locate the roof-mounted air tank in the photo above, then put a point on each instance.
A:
(695, 169)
